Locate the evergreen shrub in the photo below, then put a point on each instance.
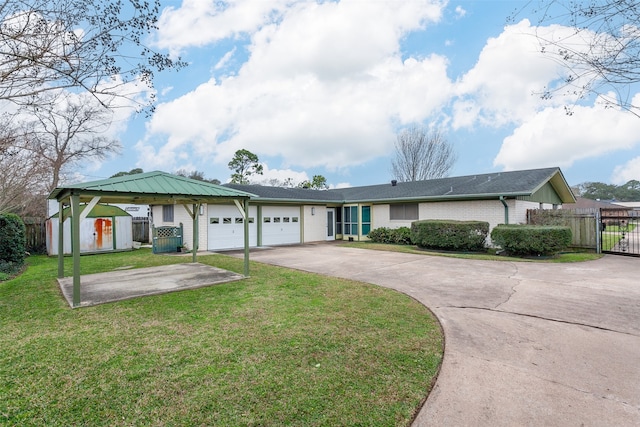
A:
(531, 240)
(12, 243)
(450, 235)
(398, 236)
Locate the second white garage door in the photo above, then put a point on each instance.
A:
(226, 228)
(280, 225)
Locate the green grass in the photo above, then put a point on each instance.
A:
(280, 348)
(410, 249)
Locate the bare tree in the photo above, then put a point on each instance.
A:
(92, 45)
(421, 155)
(67, 132)
(21, 179)
(601, 54)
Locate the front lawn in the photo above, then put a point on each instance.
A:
(280, 348)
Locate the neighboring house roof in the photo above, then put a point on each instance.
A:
(150, 188)
(539, 185)
(582, 203)
(631, 205)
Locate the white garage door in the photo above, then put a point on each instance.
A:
(226, 227)
(280, 225)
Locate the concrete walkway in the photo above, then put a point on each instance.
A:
(527, 344)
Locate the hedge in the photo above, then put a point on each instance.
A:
(527, 240)
(399, 236)
(450, 235)
(12, 243)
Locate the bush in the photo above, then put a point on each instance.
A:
(12, 243)
(399, 236)
(450, 235)
(527, 240)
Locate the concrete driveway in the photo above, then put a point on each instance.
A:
(526, 343)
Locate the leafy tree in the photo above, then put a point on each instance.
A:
(318, 182)
(603, 54)
(628, 192)
(131, 172)
(244, 164)
(421, 155)
(198, 176)
(92, 45)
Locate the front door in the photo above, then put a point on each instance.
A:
(331, 231)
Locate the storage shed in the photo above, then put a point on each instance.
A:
(105, 228)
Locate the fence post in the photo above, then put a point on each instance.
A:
(598, 216)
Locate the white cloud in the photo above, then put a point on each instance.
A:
(460, 11)
(551, 138)
(627, 172)
(201, 22)
(323, 86)
(278, 176)
(504, 86)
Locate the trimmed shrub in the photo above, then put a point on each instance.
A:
(12, 243)
(450, 235)
(527, 240)
(399, 236)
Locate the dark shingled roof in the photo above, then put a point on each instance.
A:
(480, 186)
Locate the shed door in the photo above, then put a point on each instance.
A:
(226, 227)
(280, 225)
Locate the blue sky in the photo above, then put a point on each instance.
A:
(323, 88)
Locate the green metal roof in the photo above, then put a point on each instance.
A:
(149, 188)
(98, 211)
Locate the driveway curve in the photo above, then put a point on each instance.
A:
(526, 343)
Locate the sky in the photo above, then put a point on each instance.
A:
(324, 87)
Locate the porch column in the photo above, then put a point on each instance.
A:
(246, 237)
(196, 231)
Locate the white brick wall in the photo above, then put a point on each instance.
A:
(315, 226)
(180, 215)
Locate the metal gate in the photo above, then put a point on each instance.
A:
(620, 231)
(167, 239)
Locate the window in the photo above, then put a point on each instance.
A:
(366, 220)
(338, 220)
(167, 213)
(285, 219)
(239, 220)
(214, 220)
(294, 219)
(226, 220)
(267, 219)
(406, 211)
(276, 219)
(252, 220)
(351, 220)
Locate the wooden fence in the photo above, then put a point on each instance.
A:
(140, 226)
(36, 234)
(583, 223)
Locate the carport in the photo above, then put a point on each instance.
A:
(151, 188)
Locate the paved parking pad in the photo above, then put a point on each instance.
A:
(126, 284)
(527, 344)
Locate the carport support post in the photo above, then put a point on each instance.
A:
(75, 246)
(246, 237)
